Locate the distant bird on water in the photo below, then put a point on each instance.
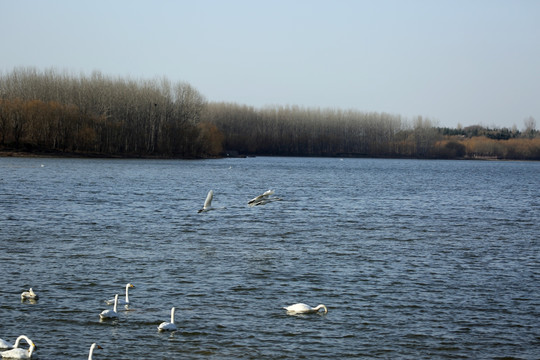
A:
(122, 301)
(19, 353)
(110, 314)
(168, 326)
(304, 309)
(91, 353)
(29, 295)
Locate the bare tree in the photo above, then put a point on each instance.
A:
(530, 126)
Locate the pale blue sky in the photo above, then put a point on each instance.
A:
(460, 61)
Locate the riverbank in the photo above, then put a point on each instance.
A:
(61, 154)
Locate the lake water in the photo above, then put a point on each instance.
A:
(414, 259)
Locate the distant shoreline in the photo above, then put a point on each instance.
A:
(58, 155)
(29, 154)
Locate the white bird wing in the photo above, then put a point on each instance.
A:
(268, 193)
(208, 201)
(30, 294)
(120, 302)
(255, 199)
(260, 197)
(298, 308)
(167, 326)
(5, 345)
(16, 353)
(108, 314)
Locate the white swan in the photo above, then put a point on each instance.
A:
(168, 326)
(256, 199)
(30, 295)
(4, 345)
(263, 199)
(304, 309)
(110, 314)
(18, 353)
(18, 340)
(208, 202)
(94, 345)
(122, 301)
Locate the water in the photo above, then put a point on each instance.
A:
(414, 259)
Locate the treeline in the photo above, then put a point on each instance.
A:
(50, 111)
(300, 131)
(98, 115)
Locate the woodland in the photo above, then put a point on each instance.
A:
(56, 113)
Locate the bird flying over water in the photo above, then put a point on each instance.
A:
(208, 202)
(263, 199)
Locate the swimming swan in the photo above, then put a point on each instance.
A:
(263, 199)
(18, 340)
(110, 314)
(207, 202)
(18, 353)
(122, 301)
(4, 345)
(168, 326)
(94, 345)
(30, 295)
(304, 309)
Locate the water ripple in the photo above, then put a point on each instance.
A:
(414, 259)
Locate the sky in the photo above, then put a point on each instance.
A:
(455, 62)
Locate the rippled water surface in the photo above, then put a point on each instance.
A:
(414, 259)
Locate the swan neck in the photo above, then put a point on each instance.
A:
(127, 293)
(172, 315)
(91, 351)
(31, 350)
(21, 337)
(115, 302)
(321, 306)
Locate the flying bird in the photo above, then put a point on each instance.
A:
(263, 199)
(208, 202)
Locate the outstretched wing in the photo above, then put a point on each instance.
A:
(208, 201)
(268, 193)
(257, 199)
